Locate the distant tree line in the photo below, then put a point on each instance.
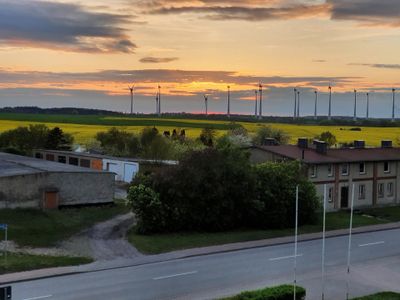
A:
(23, 140)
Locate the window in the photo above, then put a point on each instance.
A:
(74, 161)
(39, 155)
(330, 195)
(313, 171)
(390, 189)
(330, 170)
(85, 163)
(381, 190)
(386, 167)
(62, 159)
(50, 157)
(362, 168)
(345, 169)
(361, 191)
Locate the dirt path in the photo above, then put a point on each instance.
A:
(104, 241)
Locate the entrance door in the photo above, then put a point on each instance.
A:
(344, 197)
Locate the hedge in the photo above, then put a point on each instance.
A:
(282, 292)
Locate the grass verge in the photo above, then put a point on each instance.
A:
(160, 243)
(381, 296)
(37, 228)
(17, 262)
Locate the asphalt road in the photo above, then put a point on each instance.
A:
(375, 266)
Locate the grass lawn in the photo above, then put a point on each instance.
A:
(381, 296)
(159, 243)
(37, 228)
(17, 262)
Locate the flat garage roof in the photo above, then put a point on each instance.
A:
(14, 165)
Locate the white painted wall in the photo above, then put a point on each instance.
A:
(124, 170)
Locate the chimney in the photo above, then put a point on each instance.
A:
(358, 144)
(386, 144)
(321, 147)
(302, 143)
(270, 142)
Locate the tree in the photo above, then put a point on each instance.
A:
(207, 136)
(327, 137)
(265, 132)
(119, 142)
(58, 140)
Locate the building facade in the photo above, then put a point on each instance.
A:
(374, 172)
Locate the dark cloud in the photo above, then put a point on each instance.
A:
(69, 27)
(157, 60)
(368, 12)
(319, 60)
(378, 66)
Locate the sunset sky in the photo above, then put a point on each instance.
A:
(85, 53)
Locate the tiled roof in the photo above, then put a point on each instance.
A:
(335, 155)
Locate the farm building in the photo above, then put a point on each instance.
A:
(30, 182)
(125, 169)
(375, 172)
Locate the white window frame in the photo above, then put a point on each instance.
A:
(347, 169)
(330, 194)
(364, 168)
(330, 170)
(361, 192)
(381, 192)
(388, 167)
(390, 191)
(314, 171)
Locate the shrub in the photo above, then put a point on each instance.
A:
(282, 292)
(327, 137)
(268, 132)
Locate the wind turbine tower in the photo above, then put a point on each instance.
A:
(132, 90)
(298, 104)
(260, 91)
(159, 100)
(330, 104)
(229, 102)
(355, 106)
(295, 103)
(367, 116)
(256, 104)
(393, 105)
(315, 105)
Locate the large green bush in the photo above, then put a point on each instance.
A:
(282, 292)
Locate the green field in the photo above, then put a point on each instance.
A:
(84, 128)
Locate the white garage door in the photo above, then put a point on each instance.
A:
(113, 168)
(130, 171)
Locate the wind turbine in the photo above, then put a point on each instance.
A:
(229, 102)
(157, 103)
(298, 104)
(256, 103)
(367, 106)
(206, 104)
(394, 100)
(295, 103)
(159, 100)
(315, 106)
(132, 90)
(330, 103)
(260, 91)
(355, 106)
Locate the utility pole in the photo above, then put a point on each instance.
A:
(298, 104)
(206, 103)
(315, 106)
(349, 245)
(323, 245)
(260, 90)
(355, 106)
(229, 102)
(295, 243)
(295, 103)
(394, 100)
(256, 104)
(132, 90)
(367, 106)
(330, 104)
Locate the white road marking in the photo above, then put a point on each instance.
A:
(371, 244)
(284, 257)
(175, 275)
(39, 297)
